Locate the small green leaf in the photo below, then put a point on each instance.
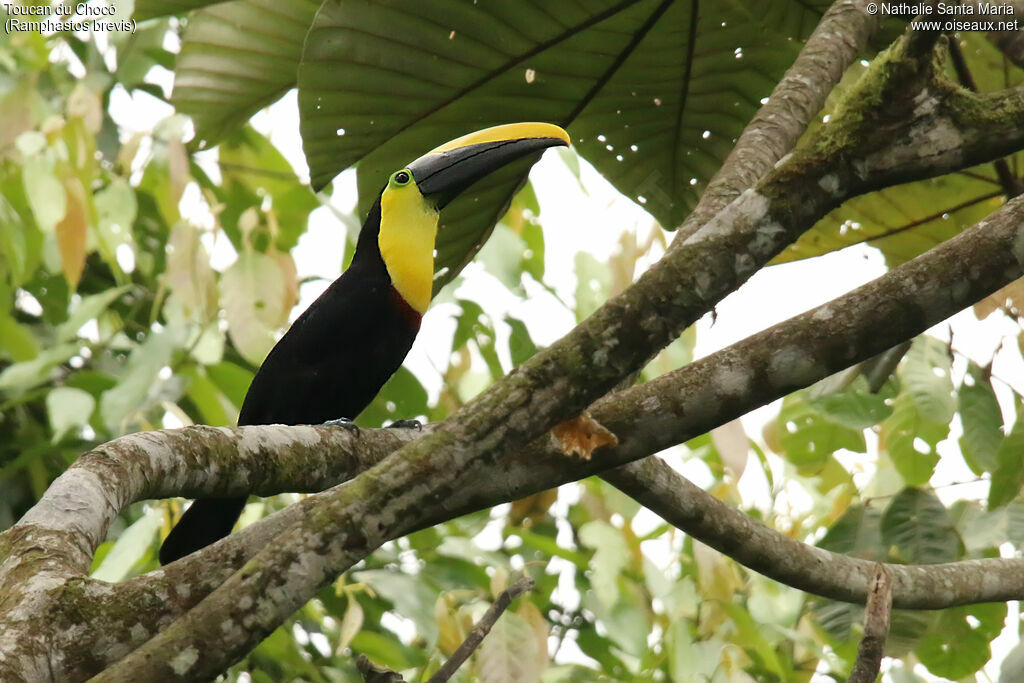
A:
(351, 623)
(808, 438)
(752, 635)
(914, 460)
(132, 545)
(207, 398)
(116, 209)
(533, 258)
(189, 277)
(476, 325)
(231, 379)
(411, 597)
(16, 340)
(256, 174)
(29, 373)
(982, 420)
(593, 282)
(925, 372)
(130, 395)
(401, 398)
(502, 256)
(520, 344)
(610, 558)
(44, 191)
(68, 409)
(858, 532)
(682, 657)
(386, 650)
(252, 291)
(1009, 471)
(89, 308)
(625, 622)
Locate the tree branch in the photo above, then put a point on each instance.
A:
(1011, 43)
(902, 122)
(481, 629)
(647, 418)
(876, 628)
(1011, 184)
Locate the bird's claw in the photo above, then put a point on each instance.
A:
(406, 424)
(344, 423)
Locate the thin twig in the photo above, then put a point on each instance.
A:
(482, 628)
(372, 673)
(876, 628)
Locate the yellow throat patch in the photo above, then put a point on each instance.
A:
(408, 227)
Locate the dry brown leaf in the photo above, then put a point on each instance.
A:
(539, 625)
(530, 510)
(582, 435)
(71, 233)
(291, 277)
(732, 444)
(189, 274)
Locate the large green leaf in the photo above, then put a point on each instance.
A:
(149, 9)
(921, 412)
(925, 374)
(236, 58)
(412, 598)
(906, 220)
(1009, 471)
(653, 91)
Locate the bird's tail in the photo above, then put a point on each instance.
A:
(206, 521)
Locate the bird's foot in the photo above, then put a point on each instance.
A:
(406, 424)
(344, 423)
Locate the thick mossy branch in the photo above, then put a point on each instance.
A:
(904, 119)
(450, 470)
(647, 418)
(883, 98)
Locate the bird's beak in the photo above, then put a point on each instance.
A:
(442, 173)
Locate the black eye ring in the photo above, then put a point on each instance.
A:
(401, 178)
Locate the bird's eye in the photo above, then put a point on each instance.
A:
(401, 178)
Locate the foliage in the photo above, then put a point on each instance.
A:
(118, 317)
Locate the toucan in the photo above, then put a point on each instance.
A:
(337, 355)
